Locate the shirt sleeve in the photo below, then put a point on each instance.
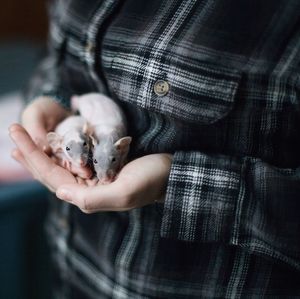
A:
(236, 201)
(47, 81)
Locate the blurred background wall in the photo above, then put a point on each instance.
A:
(23, 19)
(23, 34)
(24, 256)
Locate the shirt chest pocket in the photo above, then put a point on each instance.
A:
(199, 93)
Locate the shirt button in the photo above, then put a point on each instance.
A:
(161, 88)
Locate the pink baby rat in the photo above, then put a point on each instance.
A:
(70, 143)
(111, 145)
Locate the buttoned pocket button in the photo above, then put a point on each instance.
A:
(161, 88)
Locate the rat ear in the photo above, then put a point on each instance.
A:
(74, 102)
(122, 144)
(54, 141)
(87, 129)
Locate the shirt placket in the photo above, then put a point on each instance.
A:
(91, 42)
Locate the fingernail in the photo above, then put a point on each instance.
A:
(64, 194)
(12, 128)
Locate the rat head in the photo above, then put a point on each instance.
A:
(109, 157)
(75, 145)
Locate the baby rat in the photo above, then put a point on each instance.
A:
(71, 143)
(111, 145)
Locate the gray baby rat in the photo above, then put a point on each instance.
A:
(108, 122)
(71, 143)
(109, 157)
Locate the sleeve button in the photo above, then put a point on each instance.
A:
(161, 88)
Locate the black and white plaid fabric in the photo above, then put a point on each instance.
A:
(230, 223)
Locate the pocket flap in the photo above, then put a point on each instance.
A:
(202, 93)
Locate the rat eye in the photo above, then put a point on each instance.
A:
(113, 159)
(84, 144)
(67, 148)
(95, 161)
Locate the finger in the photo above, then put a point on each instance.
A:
(93, 199)
(17, 155)
(80, 181)
(14, 127)
(50, 173)
(35, 124)
(22, 140)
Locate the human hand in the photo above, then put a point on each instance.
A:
(36, 161)
(140, 182)
(40, 117)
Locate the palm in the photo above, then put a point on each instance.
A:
(140, 182)
(146, 176)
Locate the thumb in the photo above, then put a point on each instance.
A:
(76, 194)
(90, 198)
(68, 193)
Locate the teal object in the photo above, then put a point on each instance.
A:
(25, 270)
(17, 62)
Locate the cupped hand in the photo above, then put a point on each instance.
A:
(140, 182)
(40, 117)
(36, 161)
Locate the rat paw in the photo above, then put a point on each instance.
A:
(80, 180)
(105, 181)
(92, 182)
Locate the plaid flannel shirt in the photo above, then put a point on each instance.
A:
(230, 224)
